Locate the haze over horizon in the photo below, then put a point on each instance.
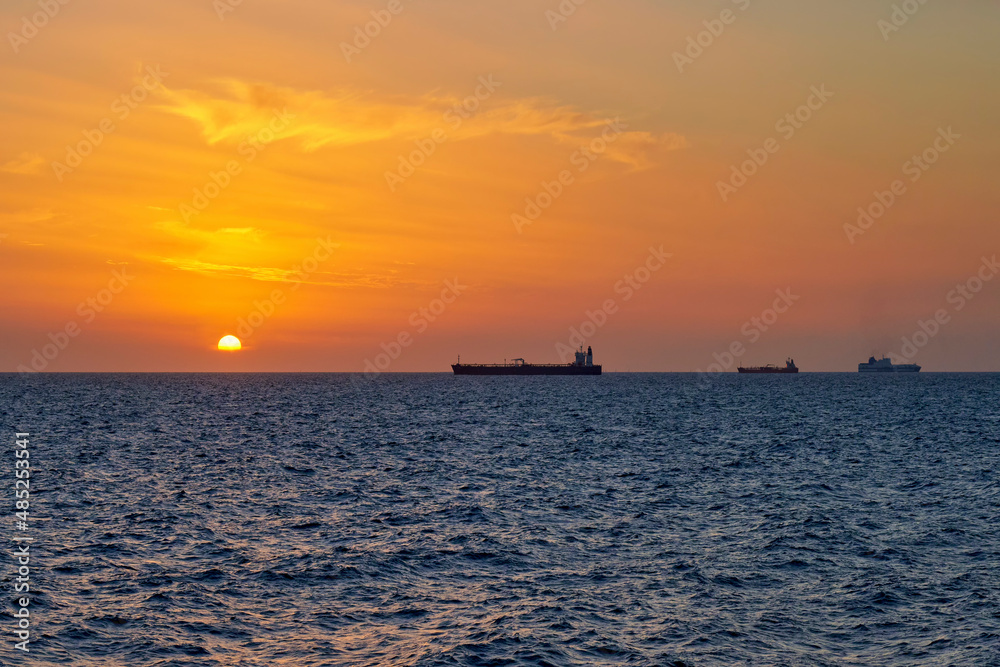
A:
(479, 179)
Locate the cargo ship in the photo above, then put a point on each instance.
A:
(884, 365)
(771, 368)
(582, 365)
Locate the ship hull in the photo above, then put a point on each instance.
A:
(889, 370)
(767, 371)
(526, 369)
(886, 366)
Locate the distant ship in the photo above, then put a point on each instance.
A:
(583, 365)
(771, 368)
(885, 365)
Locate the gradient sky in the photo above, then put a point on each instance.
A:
(341, 126)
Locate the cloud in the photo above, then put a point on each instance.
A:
(273, 274)
(222, 235)
(28, 216)
(26, 164)
(348, 118)
(240, 231)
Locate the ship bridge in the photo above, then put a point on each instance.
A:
(584, 358)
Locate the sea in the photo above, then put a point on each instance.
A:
(427, 519)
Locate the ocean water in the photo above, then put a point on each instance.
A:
(628, 519)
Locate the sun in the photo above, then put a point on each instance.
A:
(230, 344)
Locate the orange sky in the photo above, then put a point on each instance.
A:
(169, 98)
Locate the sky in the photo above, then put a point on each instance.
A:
(386, 185)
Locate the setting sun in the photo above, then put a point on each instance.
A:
(230, 344)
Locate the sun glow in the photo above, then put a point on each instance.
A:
(230, 344)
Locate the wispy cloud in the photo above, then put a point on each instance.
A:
(278, 275)
(223, 235)
(26, 164)
(237, 109)
(28, 216)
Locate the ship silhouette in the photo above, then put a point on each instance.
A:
(582, 365)
(885, 365)
(790, 367)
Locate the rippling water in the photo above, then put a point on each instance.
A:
(440, 520)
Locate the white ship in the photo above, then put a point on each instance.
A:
(885, 365)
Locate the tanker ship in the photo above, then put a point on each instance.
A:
(582, 365)
(771, 368)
